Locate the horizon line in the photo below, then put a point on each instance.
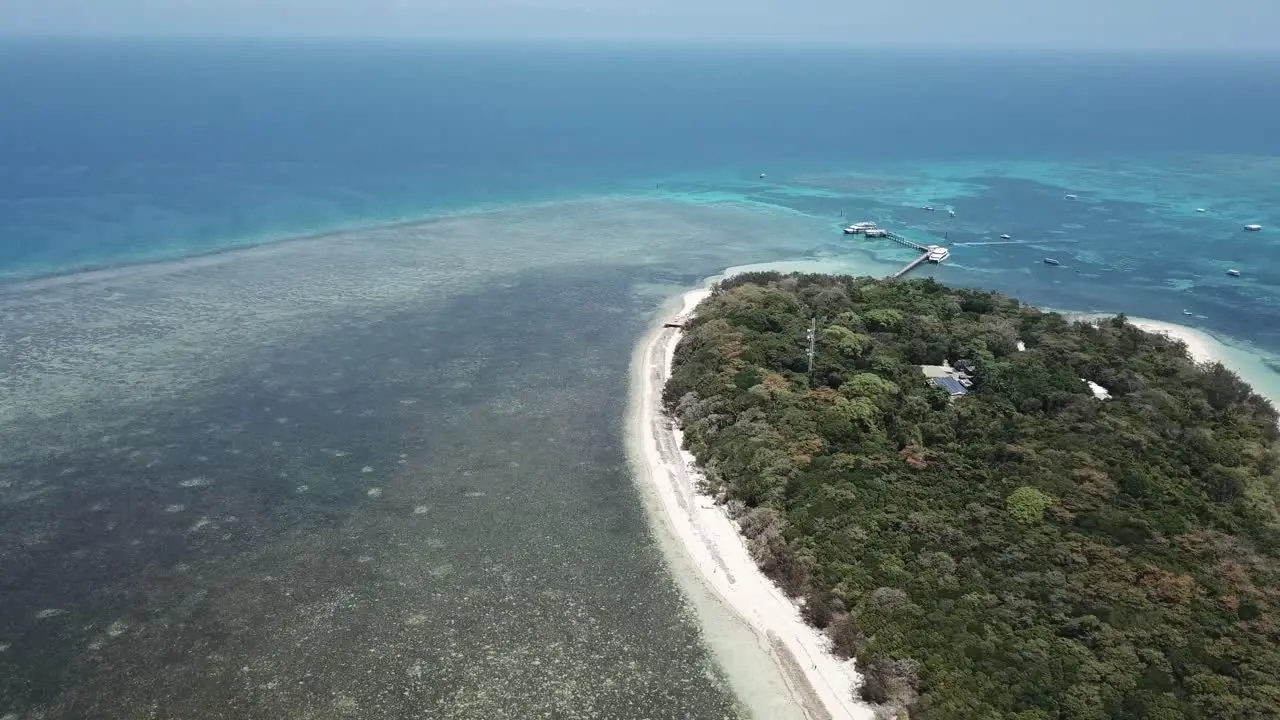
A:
(766, 44)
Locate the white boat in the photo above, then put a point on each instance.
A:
(1070, 196)
(927, 207)
(1253, 228)
(1201, 210)
(938, 254)
(859, 228)
(1006, 236)
(1233, 273)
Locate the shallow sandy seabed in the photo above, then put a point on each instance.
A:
(107, 339)
(373, 474)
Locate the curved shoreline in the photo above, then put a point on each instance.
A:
(1204, 347)
(818, 684)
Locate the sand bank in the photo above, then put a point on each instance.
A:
(817, 683)
(1199, 346)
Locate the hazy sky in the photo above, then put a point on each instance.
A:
(1213, 24)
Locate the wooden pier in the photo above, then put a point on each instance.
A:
(923, 250)
(911, 265)
(903, 241)
(932, 253)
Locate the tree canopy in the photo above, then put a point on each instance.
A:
(1025, 551)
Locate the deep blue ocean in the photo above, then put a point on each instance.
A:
(118, 150)
(380, 471)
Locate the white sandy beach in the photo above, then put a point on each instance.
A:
(1247, 362)
(1199, 346)
(819, 684)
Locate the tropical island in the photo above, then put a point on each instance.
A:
(999, 512)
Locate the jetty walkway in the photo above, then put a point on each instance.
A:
(910, 266)
(928, 253)
(903, 241)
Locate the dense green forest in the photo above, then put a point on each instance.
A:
(1023, 551)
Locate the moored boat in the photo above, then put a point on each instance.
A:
(859, 228)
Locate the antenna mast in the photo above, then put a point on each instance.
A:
(813, 338)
